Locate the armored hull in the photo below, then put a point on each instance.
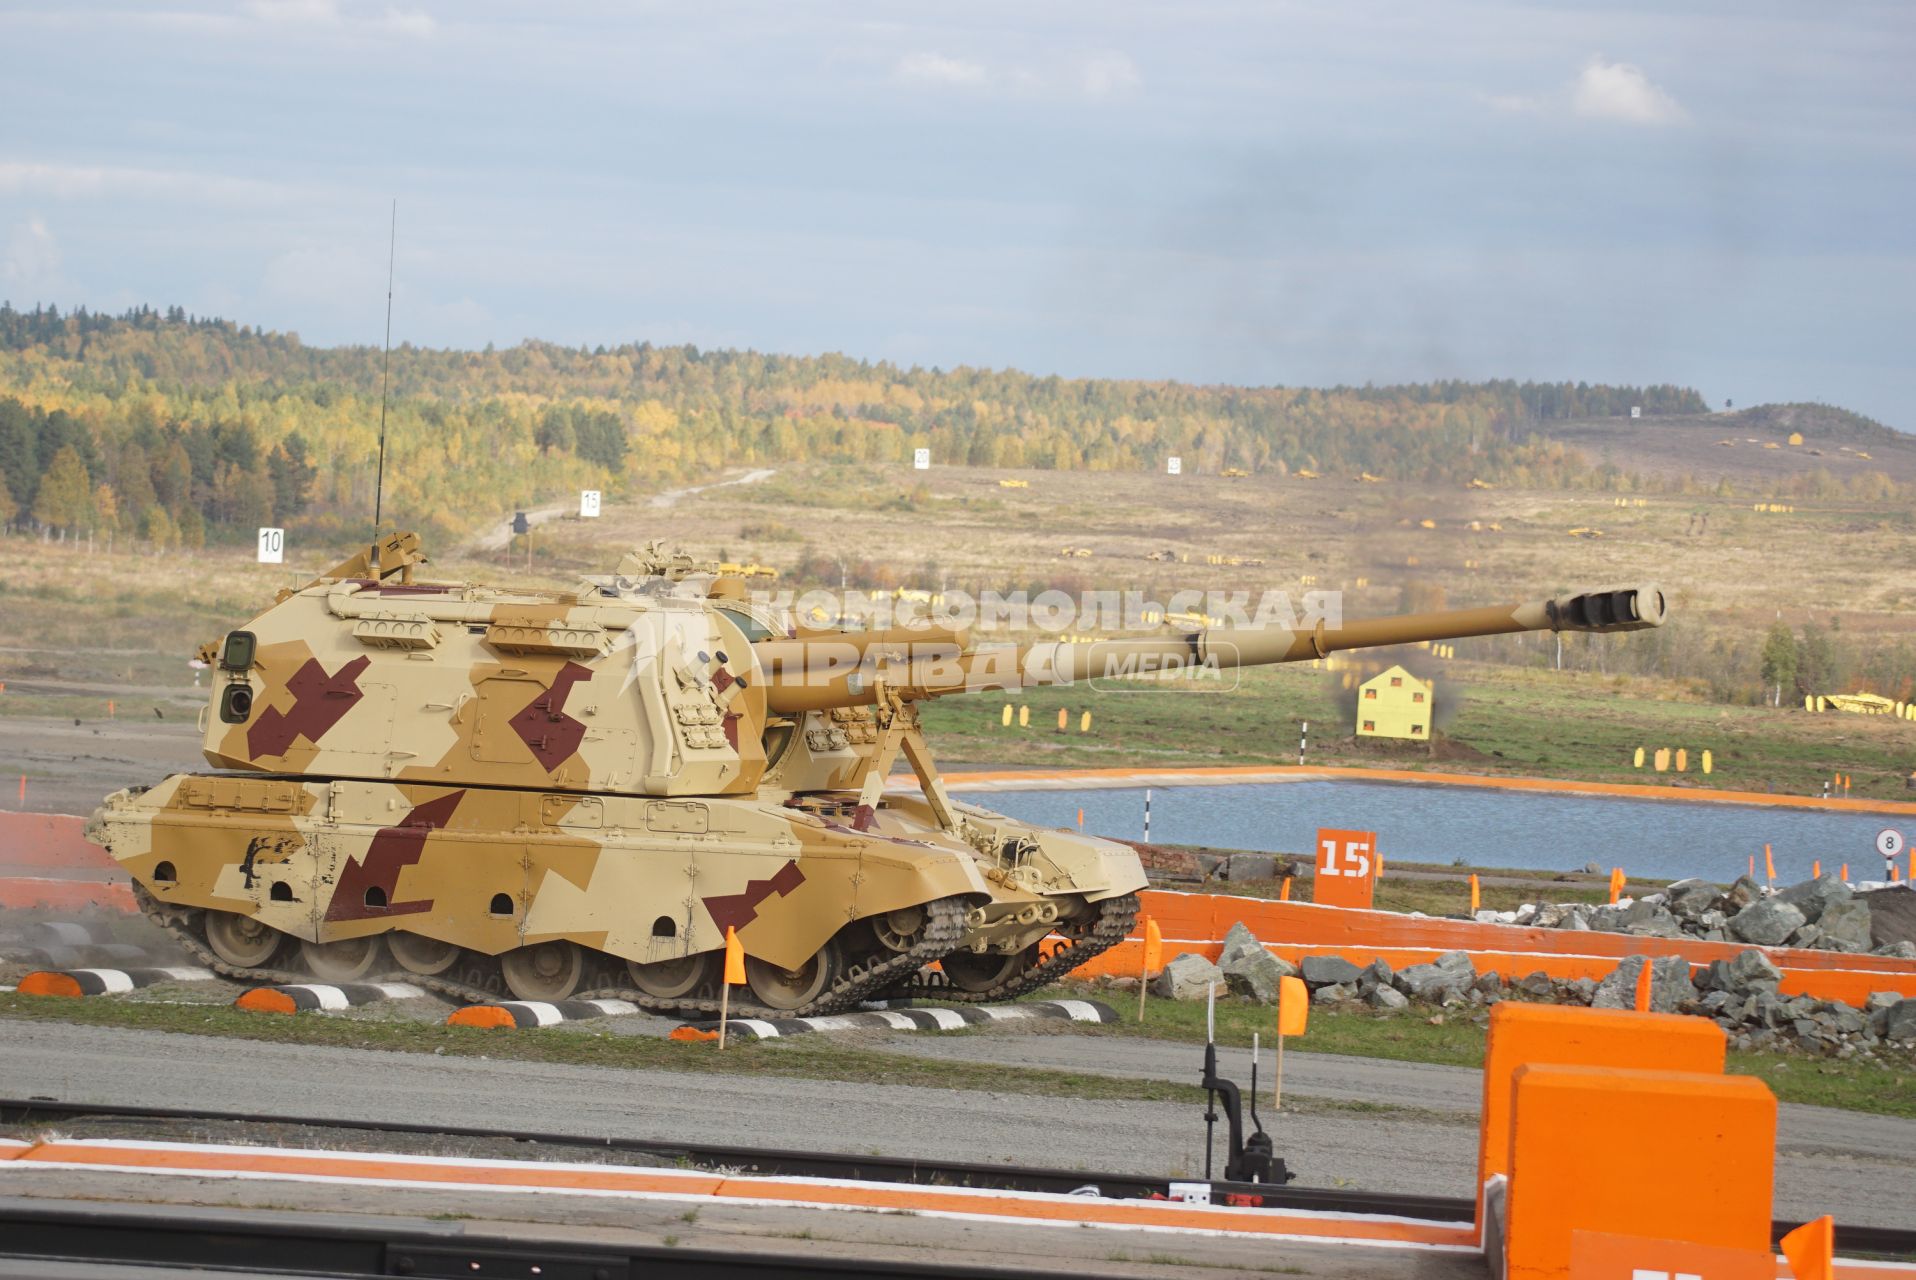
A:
(583, 793)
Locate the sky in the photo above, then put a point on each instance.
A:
(1712, 194)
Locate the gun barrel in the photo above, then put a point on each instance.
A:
(817, 674)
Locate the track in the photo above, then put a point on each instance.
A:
(477, 979)
(1885, 1242)
(1115, 919)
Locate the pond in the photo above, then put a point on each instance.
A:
(1484, 826)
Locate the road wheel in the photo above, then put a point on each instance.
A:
(669, 979)
(789, 989)
(975, 973)
(421, 955)
(898, 931)
(544, 971)
(246, 941)
(345, 960)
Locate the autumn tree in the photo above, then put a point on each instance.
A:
(292, 476)
(1779, 661)
(65, 498)
(105, 514)
(158, 528)
(8, 509)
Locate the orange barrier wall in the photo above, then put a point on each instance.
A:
(65, 895)
(1534, 1034)
(47, 840)
(1576, 1166)
(1197, 922)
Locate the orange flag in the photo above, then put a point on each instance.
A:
(1153, 946)
(1811, 1249)
(1816, 869)
(1476, 898)
(1844, 874)
(1645, 976)
(1293, 1006)
(1284, 890)
(734, 958)
(1769, 864)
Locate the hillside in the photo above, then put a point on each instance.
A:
(173, 430)
(1842, 454)
(180, 429)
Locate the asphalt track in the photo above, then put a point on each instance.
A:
(1856, 1166)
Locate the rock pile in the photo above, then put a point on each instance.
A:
(1741, 994)
(1821, 914)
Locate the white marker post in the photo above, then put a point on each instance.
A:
(272, 546)
(1174, 466)
(1303, 739)
(1889, 843)
(588, 504)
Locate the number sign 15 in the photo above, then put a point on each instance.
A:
(1346, 868)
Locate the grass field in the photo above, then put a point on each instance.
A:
(80, 630)
(1454, 1038)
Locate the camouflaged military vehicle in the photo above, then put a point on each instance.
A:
(577, 793)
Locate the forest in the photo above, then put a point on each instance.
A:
(173, 429)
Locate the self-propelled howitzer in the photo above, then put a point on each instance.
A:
(578, 793)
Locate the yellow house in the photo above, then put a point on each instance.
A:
(1394, 704)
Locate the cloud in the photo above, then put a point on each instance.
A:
(329, 274)
(1513, 103)
(937, 71)
(1108, 74)
(327, 13)
(299, 11)
(30, 268)
(1621, 92)
(407, 22)
(1104, 74)
(1614, 91)
(80, 181)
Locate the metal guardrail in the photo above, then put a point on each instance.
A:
(181, 1241)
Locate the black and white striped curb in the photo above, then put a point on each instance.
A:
(106, 982)
(300, 997)
(935, 1019)
(538, 1013)
(62, 944)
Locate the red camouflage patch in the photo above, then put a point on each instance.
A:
(551, 734)
(319, 701)
(392, 849)
(736, 910)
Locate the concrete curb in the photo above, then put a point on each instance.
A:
(934, 1019)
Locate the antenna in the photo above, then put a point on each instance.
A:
(385, 372)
